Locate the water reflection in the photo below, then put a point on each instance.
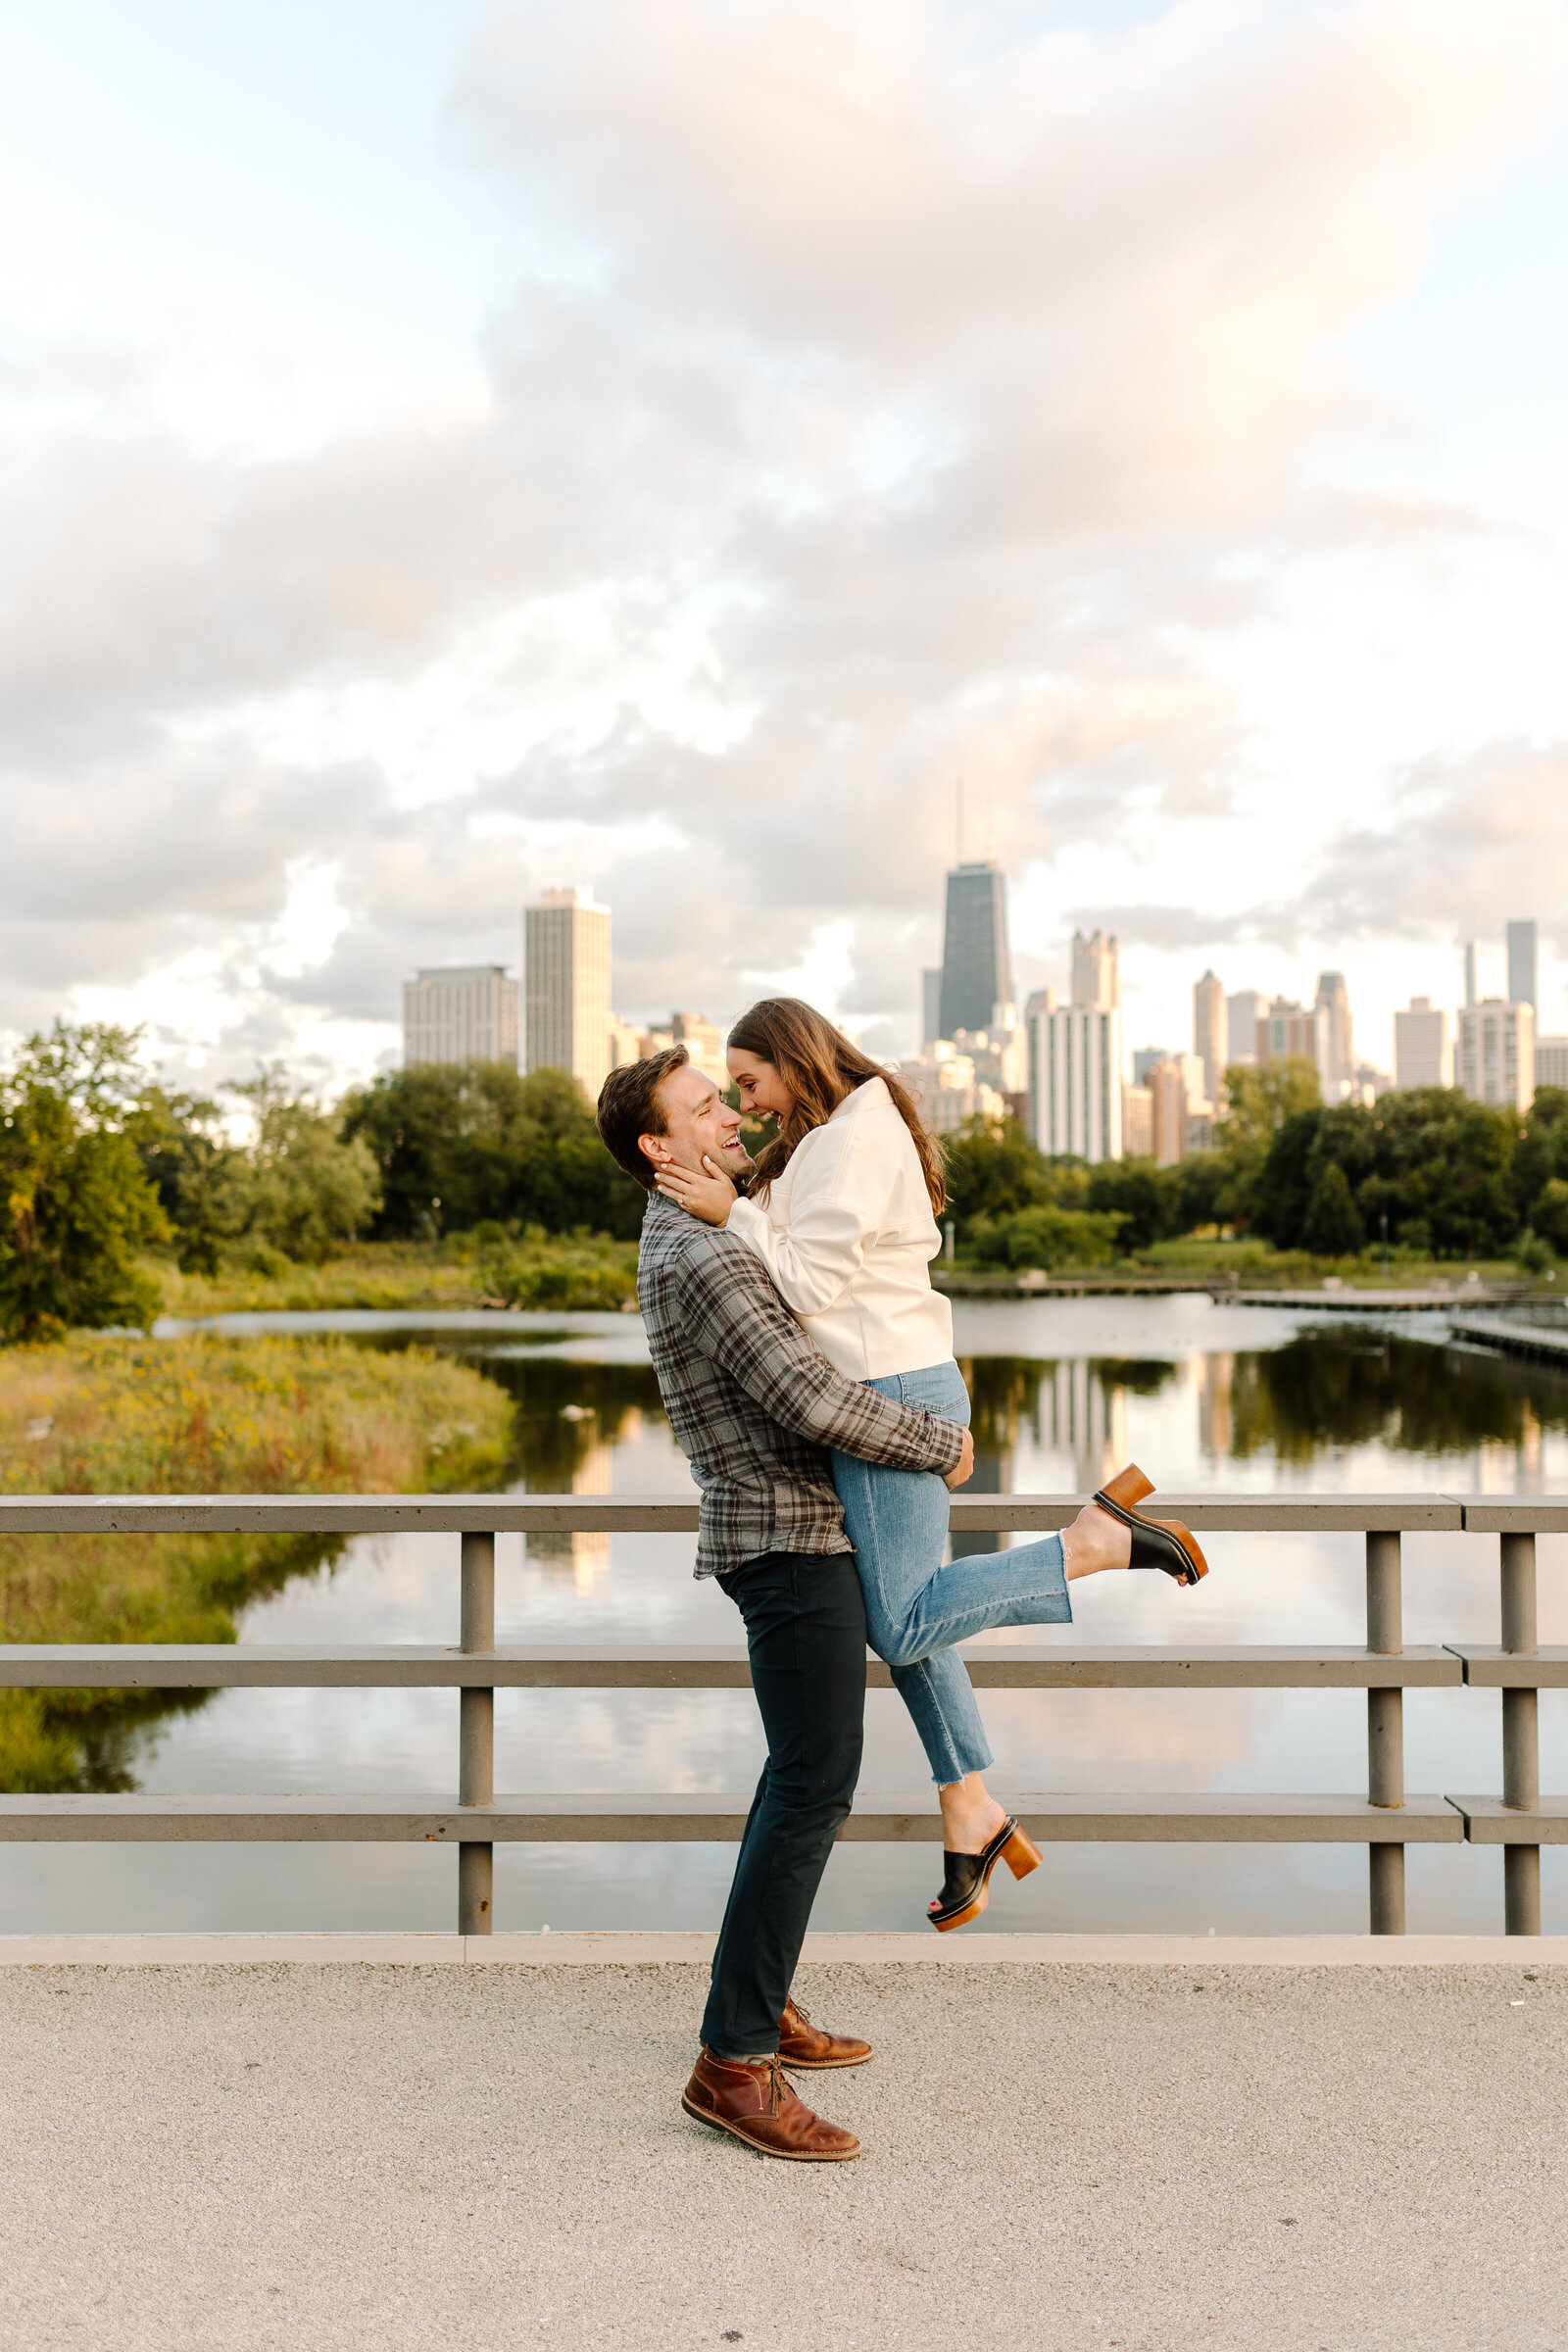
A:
(1350, 1389)
(1061, 1395)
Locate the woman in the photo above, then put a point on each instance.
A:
(843, 1210)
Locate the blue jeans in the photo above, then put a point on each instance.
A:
(915, 1609)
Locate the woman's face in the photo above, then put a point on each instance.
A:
(761, 1090)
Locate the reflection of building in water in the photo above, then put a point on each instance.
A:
(1088, 1420)
(1216, 1373)
(586, 1554)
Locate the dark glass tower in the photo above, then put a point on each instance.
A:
(976, 967)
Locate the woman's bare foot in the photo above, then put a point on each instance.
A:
(1095, 1540)
(971, 1816)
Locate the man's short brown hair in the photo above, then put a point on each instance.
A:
(629, 1107)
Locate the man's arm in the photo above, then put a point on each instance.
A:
(734, 1315)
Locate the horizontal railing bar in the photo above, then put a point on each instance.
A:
(598, 1514)
(1490, 1822)
(1517, 1515)
(718, 1816)
(718, 1666)
(1493, 1669)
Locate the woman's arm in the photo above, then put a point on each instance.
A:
(838, 1205)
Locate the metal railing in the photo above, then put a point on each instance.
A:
(1386, 1820)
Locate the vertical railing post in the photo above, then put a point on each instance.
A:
(477, 1739)
(1521, 1753)
(1385, 1729)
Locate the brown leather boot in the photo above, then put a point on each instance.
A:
(802, 2044)
(759, 2104)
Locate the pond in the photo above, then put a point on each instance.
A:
(1201, 1394)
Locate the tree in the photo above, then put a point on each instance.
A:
(1332, 1226)
(1139, 1196)
(991, 1169)
(1438, 1166)
(1048, 1237)
(77, 1204)
(301, 1188)
(1259, 1102)
(191, 1168)
(1550, 1214)
(458, 1143)
(1540, 1154)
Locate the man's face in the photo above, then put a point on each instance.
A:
(697, 1120)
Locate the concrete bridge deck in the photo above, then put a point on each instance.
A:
(1074, 2154)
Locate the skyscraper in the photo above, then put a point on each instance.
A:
(1423, 1046)
(1075, 1091)
(1243, 1013)
(565, 962)
(466, 1013)
(1472, 972)
(1337, 1065)
(1095, 972)
(1495, 1058)
(976, 967)
(1208, 1031)
(1522, 972)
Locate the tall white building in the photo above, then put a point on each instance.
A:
(1075, 1080)
(467, 1012)
(1552, 1061)
(1423, 1046)
(1208, 1031)
(1243, 1012)
(565, 962)
(1336, 1057)
(1497, 1052)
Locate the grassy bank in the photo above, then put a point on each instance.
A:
(198, 1417)
(1254, 1265)
(489, 1268)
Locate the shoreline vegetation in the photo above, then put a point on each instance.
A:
(555, 1274)
(94, 1414)
(488, 1267)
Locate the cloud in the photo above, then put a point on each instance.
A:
(887, 395)
(1475, 839)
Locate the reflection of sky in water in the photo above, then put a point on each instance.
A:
(1204, 1396)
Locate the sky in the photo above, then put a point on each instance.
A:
(451, 449)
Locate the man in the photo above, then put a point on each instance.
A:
(755, 1410)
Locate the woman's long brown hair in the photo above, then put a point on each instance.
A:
(819, 1066)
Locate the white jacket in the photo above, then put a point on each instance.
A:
(847, 1236)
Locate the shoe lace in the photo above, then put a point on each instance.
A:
(802, 2014)
(777, 2084)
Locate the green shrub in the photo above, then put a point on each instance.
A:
(1047, 1237)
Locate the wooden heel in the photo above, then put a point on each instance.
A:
(1129, 1486)
(1021, 1854)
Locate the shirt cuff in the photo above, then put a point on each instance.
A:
(953, 1455)
(750, 1224)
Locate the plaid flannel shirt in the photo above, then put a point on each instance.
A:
(754, 1407)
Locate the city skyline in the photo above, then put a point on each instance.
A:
(1059, 1065)
(1226, 1025)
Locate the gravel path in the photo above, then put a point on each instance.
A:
(1056, 2156)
